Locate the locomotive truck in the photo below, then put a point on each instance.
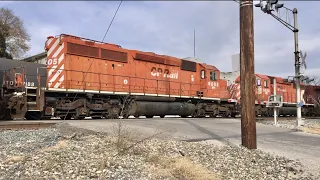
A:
(87, 78)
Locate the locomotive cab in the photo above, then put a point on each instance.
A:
(210, 81)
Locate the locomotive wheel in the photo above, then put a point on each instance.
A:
(93, 117)
(112, 116)
(80, 118)
(45, 118)
(161, 116)
(33, 115)
(125, 113)
(125, 116)
(200, 113)
(67, 117)
(149, 116)
(4, 113)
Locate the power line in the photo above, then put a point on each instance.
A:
(115, 14)
(112, 20)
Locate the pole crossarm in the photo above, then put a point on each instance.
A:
(285, 23)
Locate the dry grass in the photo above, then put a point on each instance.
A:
(125, 137)
(163, 166)
(128, 139)
(14, 159)
(180, 168)
(313, 129)
(60, 144)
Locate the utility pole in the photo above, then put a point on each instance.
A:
(247, 78)
(268, 8)
(297, 65)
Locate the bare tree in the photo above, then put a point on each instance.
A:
(312, 80)
(316, 80)
(13, 35)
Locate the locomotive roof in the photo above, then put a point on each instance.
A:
(84, 39)
(207, 66)
(154, 57)
(262, 76)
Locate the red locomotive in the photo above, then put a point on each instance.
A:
(264, 88)
(86, 78)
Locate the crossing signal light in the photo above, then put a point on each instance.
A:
(268, 7)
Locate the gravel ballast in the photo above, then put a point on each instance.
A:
(291, 123)
(65, 152)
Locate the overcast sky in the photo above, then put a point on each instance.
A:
(167, 28)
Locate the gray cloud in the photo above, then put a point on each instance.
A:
(167, 28)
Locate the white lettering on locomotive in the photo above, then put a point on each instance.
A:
(171, 76)
(266, 91)
(213, 84)
(158, 72)
(28, 83)
(281, 89)
(53, 61)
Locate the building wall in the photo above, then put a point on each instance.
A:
(41, 60)
(38, 58)
(232, 76)
(235, 62)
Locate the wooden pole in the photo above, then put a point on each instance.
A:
(248, 122)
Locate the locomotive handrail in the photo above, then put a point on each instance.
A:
(170, 91)
(129, 88)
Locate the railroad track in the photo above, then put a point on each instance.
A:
(285, 118)
(24, 125)
(27, 123)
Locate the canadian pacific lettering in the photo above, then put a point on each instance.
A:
(159, 72)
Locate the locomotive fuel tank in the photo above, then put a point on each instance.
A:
(30, 70)
(288, 111)
(154, 99)
(144, 108)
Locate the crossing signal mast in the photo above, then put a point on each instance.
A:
(268, 6)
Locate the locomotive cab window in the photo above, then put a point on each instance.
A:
(265, 83)
(213, 76)
(258, 82)
(202, 74)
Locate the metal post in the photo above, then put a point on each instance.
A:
(275, 108)
(247, 78)
(297, 67)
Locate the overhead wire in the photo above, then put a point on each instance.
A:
(110, 24)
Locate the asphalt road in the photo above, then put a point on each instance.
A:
(284, 142)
